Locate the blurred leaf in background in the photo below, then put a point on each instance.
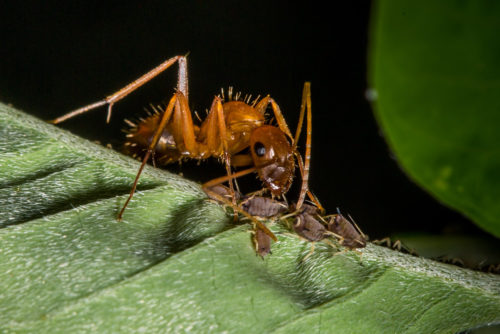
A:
(435, 78)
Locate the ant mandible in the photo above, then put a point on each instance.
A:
(228, 129)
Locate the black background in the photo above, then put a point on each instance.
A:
(55, 58)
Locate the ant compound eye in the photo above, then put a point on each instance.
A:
(259, 149)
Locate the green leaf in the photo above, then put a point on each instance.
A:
(175, 264)
(435, 71)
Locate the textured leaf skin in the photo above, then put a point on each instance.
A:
(175, 264)
(435, 70)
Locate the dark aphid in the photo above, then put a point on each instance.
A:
(253, 206)
(223, 191)
(263, 206)
(261, 242)
(349, 233)
(307, 226)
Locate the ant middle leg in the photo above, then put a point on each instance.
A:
(178, 111)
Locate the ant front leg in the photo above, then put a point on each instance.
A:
(305, 109)
(182, 86)
(262, 106)
(305, 105)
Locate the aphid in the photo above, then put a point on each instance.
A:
(255, 206)
(306, 225)
(261, 242)
(263, 206)
(220, 194)
(223, 191)
(228, 129)
(350, 234)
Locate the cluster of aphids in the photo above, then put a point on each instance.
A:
(241, 135)
(308, 222)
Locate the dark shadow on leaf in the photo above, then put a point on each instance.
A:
(187, 227)
(50, 201)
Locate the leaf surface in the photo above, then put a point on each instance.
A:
(176, 264)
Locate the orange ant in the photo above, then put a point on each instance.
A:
(228, 129)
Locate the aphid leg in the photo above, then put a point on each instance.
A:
(345, 250)
(182, 86)
(329, 243)
(359, 230)
(311, 251)
(339, 238)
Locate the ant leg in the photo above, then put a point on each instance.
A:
(386, 242)
(183, 134)
(306, 105)
(306, 95)
(182, 86)
(183, 130)
(225, 178)
(240, 160)
(311, 196)
(262, 106)
(316, 201)
(163, 123)
(214, 135)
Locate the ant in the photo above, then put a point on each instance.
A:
(227, 131)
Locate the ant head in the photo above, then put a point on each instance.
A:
(271, 150)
